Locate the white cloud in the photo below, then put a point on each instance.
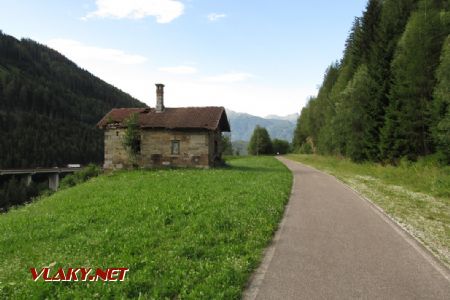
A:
(80, 53)
(215, 17)
(229, 77)
(229, 89)
(254, 98)
(179, 70)
(165, 11)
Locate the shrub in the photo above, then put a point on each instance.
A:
(16, 192)
(280, 146)
(85, 174)
(306, 149)
(132, 139)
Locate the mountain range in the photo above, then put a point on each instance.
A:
(243, 124)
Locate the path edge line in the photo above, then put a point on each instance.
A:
(256, 279)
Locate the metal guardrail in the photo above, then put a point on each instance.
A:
(38, 171)
(53, 174)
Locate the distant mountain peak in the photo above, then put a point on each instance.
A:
(243, 124)
(291, 117)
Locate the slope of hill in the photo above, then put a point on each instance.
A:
(49, 106)
(242, 126)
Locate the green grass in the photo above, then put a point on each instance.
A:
(184, 234)
(416, 195)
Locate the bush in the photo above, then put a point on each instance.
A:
(280, 146)
(85, 174)
(306, 149)
(16, 192)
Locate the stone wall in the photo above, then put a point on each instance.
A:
(196, 148)
(215, 155)
(116, 157)
(156, 147)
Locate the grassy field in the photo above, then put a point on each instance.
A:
(417, 195)
(184, 234)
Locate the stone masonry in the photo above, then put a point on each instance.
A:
(197, 148)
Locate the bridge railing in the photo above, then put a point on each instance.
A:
(53, 174)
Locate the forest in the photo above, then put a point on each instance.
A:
(388, 98)
(49, 107)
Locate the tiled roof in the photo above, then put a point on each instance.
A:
(210, 117)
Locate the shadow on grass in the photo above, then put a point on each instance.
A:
(225, 166)
(260, 169)
(253, 169)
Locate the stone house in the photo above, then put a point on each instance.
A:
(182, 136)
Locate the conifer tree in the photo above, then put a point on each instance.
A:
(393, 17)
(315, 114)
(369, 24)
(334, 137)
(408, 117)
(441, 104)
(353, 119)
(384, 99)
(301, 131)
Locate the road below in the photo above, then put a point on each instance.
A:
(333, 244)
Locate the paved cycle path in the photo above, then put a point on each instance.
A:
(333, 244)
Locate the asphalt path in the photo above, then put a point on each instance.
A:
(333, 244)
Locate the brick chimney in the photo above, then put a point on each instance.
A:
(159, 97)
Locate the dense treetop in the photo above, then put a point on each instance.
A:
(388, 97)
(260, 142)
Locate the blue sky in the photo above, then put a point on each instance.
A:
(260, 57)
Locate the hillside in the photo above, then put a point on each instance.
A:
(49, 106)
(183, 234)
(388, 97)
(242, 126)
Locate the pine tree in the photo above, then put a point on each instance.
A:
(333, 137)
(385, 22)
(302, 129)
(369, 23)
(351, 58)
(317, 111)
(441, 104)
(353, 119)
(408, 117)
